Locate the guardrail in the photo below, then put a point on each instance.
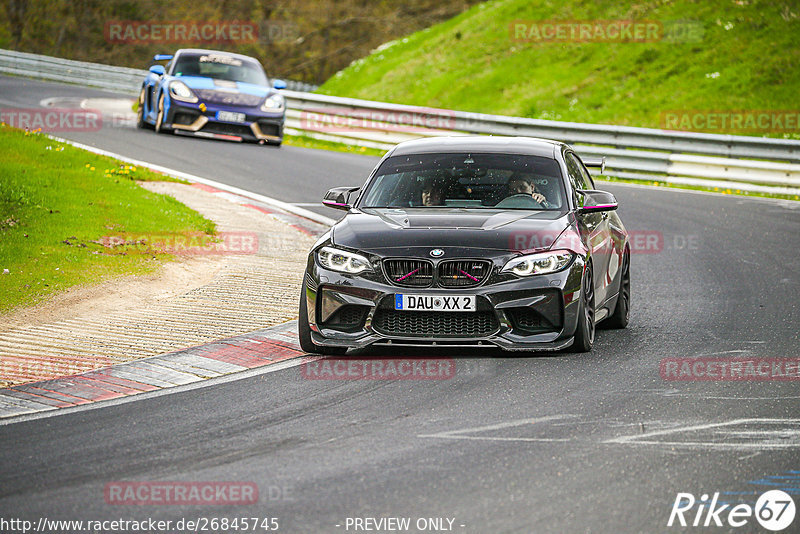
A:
(120, 79)
(638, 153)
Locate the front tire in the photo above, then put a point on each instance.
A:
(160, 118)
(584, 333)
(304, 332)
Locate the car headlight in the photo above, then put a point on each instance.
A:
(342, 261)
(274, 102)
(540, 263)
(179, 91)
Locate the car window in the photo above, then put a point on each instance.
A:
(577, 173)
(220, 67)
(504, 181)
(574, 177)
(587, 178)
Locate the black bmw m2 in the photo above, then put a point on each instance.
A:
(469, 241)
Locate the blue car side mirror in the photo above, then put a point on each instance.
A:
(279, 84)
(158, 69)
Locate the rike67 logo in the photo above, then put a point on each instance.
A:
(774, 510)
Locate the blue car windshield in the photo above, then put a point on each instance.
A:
(488, 181)
(220, 67)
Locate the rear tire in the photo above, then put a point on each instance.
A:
(622, 311)
(304, 332)
(584, 333)
(140, 122)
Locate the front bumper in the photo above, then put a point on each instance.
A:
(513, 313)
(192, 119)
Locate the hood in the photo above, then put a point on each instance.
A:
(382, 230)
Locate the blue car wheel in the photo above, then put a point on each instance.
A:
(140, 122)
(160, 116)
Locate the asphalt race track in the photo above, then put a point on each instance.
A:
(550, 443)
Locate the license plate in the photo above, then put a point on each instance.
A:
(230, 116)
(459, 303)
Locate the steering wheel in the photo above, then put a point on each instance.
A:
(518, 200)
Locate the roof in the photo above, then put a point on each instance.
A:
(479, 143)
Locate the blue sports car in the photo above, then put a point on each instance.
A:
(213, 94)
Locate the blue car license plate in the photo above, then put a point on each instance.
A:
(230, 116)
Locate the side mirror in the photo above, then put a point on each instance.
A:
(595, 201)
(339, 197)
(158, 70)
(279, 84)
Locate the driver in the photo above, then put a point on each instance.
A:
(433, 193)
(522, 184)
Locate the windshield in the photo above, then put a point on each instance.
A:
(220, 67)
(498, 181)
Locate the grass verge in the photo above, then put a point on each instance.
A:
(319, 144)
(719, 190)
(708, 57)
(59, 206)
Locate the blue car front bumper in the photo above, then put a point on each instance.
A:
(204, 120)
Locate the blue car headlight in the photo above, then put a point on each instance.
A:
(343, 261)
(179, 91)
(540, 263)
(274, 103)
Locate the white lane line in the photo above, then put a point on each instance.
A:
(271, 368)
(769, 439)
(279, 204)
(459, 434)
(700, 395)
(718, 446)
(7, 402)
(735, 351)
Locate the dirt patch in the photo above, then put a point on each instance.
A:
(171, 279)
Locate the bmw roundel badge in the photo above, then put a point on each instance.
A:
(437, 253)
